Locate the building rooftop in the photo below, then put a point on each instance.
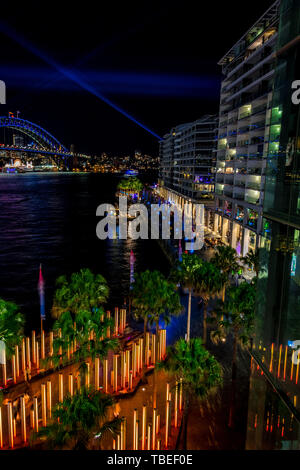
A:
(259, 26)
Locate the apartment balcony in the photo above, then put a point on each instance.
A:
(255, 186)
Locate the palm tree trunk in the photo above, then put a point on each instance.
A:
(188, 328)
(233, 382)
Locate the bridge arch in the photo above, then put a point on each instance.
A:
(35, 132)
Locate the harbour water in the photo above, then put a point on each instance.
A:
(51, 219)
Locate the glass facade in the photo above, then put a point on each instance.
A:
(278, 300)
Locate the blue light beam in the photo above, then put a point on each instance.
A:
(70, 74)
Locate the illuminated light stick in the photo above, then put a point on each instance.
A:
(36, 413)
(167, 391)
(130, 380)
(1, 429)
(149, 437)
(60, 347)
(28, 362)
(121, 322)
(3, 362)
(112, 379)
(297, 371)
(71, 384)
(127, 365)
(115, 366)
(279, 361)
(137, 435)
(23, 419)
(51, 346)
(158, 446)
(134, 359)
(87, 375)
(105, 375)
(31, 416)
(60, 387)
(122, 436)
(97, 371)
(116, 331)
(153, 349)
(176, 406)
(37, 355)
(17, 360)
(43, 345)
(41, 289)
(144, 421)
(23, 357)
(157, 424)
(108, 328)
(49, 397)
(167, 424)
(10, 424)
(138, 358)
(147, 349)
(15, 427)
(68, 352)
(44, 404)
(114, 444)
(292, 371)
(13, 366)
(180, 395)
(153, 428)
(285, 359)
(123, 369)
(135, 415)
(33, 342)
(271, 361)
(125, 433)
(141, 352)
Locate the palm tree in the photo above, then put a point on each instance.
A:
(209, 281)
(11, 325)
(226, 260)
(84, 291)
(184, 273)
(252, 260)
(236, 316)
(198, 370)
(130, 185)
(78, 420)
(154, 298)
(81, 318)
(158, 300)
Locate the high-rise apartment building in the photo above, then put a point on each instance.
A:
(243, 134)
(274, 401)
(187, 161)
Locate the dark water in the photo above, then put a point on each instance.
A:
(51, 219)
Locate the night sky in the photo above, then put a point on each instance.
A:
(155, 61)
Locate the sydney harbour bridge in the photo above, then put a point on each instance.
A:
(30, 141)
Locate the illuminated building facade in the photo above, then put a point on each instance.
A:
(243, 134)
(274, 401)
(187, 161)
